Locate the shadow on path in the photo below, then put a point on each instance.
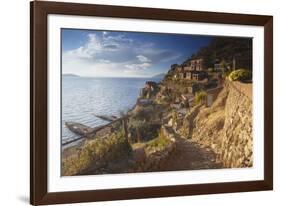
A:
(190, 156)
(191, 121)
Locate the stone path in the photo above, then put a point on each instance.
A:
(190, 156)
(187, 156)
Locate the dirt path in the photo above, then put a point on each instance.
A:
(190, 156)
(187, 156)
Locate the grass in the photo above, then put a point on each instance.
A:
(94, 152)
(157, 144)
(200, 97)
(138, 145)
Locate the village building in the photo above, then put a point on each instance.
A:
(187, 68)
(194, 75)
(199, 75)
(221, 66)
(197, 64)
(192, 70)
(182, 75)
(150, 88)
(189, 75)
(195, 87)
(238, 61)
(150, 85)
(218, 67)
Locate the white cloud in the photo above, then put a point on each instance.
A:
(98, 45)
(105, 54)
(137, 67)
(106, 61)
(142, 58)
(92, 47)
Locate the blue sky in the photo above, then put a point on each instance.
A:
(125, 54)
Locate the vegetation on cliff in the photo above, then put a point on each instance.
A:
(224, 48)
(240, 75)
(200, 97)
(95, 153)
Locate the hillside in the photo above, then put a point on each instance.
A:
(226, 126)
(225, 49)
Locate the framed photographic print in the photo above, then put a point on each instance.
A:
(133, 102)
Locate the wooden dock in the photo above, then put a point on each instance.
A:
(78, 128)
(85, 131)
(108, 118)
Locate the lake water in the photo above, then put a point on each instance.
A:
(83, 97)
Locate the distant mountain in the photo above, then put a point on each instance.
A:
(70, 75)
(159, 76)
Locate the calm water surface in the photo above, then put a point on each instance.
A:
(82, 97)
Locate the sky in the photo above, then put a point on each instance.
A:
(94, 53)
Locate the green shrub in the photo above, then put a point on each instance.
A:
(157, 144)
(200, 96)
(240, 75)
(142, 130)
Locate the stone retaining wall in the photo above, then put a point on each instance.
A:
(237, 139)
(155, 160)
(226, 127)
